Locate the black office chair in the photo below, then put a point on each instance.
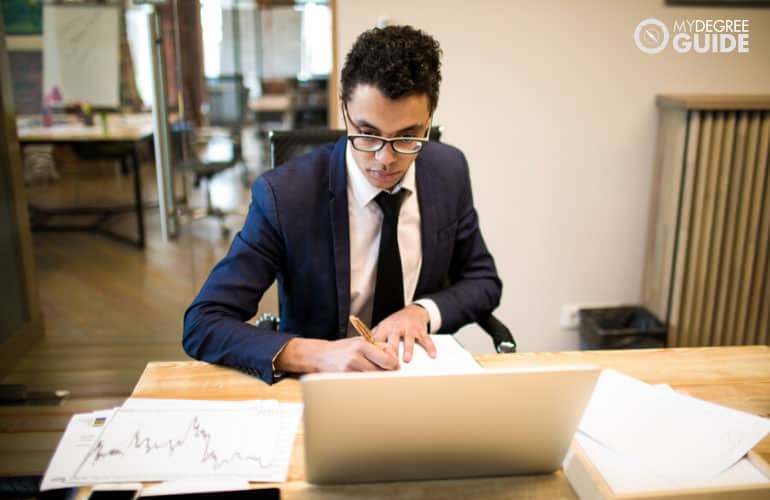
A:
(288, 144)
(311, 103)
(218, 147)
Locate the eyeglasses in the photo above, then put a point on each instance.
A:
(372, 143)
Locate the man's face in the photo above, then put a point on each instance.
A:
(370, 112)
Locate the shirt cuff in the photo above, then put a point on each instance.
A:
(278, 375)
(433, 313)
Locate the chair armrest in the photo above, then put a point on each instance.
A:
(267, 321)
(501, 335)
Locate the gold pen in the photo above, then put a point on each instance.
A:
(361, 328)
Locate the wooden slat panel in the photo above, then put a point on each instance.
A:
(763, 327)
(737, 268)
(714, 273)
(726, 283)
(683, 229)
(763, 335)
(754, 193)
(760, 237)
(661, 238)
(695, 247)
(719, 291)
(705, 243)
(703, 216)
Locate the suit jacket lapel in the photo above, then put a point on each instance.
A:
(338, 209)
(427, 197)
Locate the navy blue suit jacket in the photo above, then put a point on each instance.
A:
(297, 232)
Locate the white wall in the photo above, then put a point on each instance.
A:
(554, 106)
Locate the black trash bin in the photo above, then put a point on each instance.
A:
(625, 327)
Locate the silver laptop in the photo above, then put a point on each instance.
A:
(386, 426)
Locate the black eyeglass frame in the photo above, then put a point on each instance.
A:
(384, 140)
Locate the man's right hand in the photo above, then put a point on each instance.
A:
(354, 354)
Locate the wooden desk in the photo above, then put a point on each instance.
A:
(738, 377)
(120, 140)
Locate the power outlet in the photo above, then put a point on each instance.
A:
(570, 319)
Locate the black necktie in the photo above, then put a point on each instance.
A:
(389, 288)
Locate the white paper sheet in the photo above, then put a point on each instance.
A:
(203, 485)
(161, 440)
(83, 430)
(675, 436)
(451, 357)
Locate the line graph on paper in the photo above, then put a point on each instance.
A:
(161, 444)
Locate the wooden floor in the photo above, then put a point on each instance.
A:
(109, 308)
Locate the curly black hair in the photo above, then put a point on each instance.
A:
(398, 60)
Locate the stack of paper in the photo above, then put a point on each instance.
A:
(647, 438)
(162, 440)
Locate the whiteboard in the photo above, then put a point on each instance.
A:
(81, 53)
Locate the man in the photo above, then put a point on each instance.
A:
(380, 225)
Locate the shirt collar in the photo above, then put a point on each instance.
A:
(363, 191)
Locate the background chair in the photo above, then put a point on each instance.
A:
(274, 108)
(288, 144)
(216, 147)
(311, 103)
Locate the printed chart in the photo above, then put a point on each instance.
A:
(146, 444)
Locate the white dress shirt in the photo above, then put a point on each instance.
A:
(365, 221)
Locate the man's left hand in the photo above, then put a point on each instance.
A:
(409, 324)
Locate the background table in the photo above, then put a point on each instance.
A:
(120, 139)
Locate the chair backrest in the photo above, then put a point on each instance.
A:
(288, 144)
(228, 100)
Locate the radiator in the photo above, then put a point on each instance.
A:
(708, 246)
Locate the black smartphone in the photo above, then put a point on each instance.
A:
(252, 494)
(118, 491)
(113, 495)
